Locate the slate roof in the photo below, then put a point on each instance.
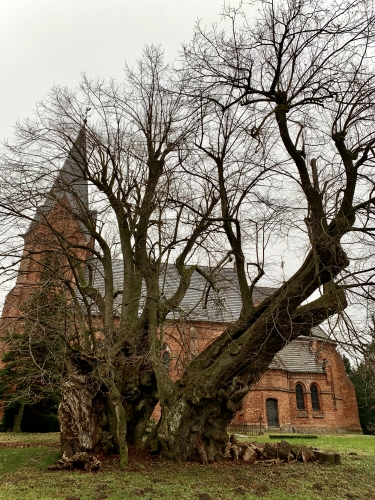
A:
(297, 356)
(69, 183)
(201, 302)
(222, 305)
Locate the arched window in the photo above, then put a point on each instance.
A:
(165, 353)
(300, 398)
(315, 398)
(194, 348)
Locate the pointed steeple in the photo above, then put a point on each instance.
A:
(70, 183)
(71, 180)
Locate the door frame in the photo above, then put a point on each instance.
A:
(276, 408)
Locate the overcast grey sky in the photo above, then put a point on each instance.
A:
(47, 42)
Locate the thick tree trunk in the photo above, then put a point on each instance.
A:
(82, 417)
(187, 433)
(94, 414)
(92, 419)
(194, 428)
(140, 398)
(18, 419)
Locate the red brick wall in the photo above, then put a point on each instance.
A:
(338, 405)
(37, 241)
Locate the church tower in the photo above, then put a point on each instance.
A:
(56, 234)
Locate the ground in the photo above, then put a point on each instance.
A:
(24, 459)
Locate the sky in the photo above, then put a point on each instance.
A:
(53, 42)
(49, 42)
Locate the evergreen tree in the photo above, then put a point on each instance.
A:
(34, 357)
(363, 378)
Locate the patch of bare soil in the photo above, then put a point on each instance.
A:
(29, 445)
(138, 460)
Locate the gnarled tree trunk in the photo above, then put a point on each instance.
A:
(139, 399)
(193, 428)
(83, 417)
(91, 414)
(94, 413)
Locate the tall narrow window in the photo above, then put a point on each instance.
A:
(315, 398)
(300, 397)
(165, 356)
(194, 348)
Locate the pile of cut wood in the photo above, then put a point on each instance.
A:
(272, 453)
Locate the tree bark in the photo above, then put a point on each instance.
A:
(91, 416)
(18, 419)
(139, 393)
(191, 433)
(120, 423)
(193, 427)
(99, 406)
(327, 458)
(81, 416)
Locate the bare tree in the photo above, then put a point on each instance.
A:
(127, 159)
(269, 132)
(301, 70)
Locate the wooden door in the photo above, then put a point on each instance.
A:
(272, 413)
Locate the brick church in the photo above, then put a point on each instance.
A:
(305, 387)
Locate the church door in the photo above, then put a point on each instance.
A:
(272, 413)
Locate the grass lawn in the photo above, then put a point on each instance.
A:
(24, 459)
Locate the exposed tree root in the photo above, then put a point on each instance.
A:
(83, 461)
